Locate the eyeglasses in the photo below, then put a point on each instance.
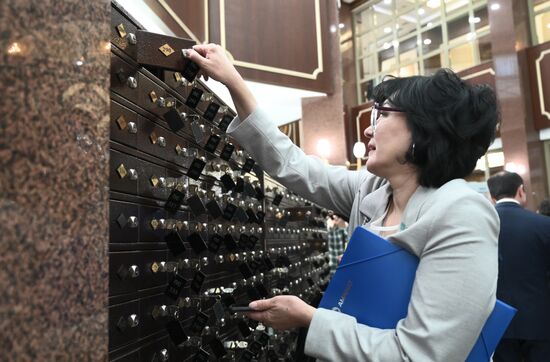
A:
(376, 112)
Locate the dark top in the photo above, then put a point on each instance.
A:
(524, 267)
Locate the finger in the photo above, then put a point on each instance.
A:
(202, 74)
(203, 48)
(194, 56)
(262, 304)
(261, 317)
(258, 316)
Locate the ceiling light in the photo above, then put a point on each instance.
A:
(359, 149)
(387, 45)
(387, 30)
(395, 43)
(323, 147)
(333, 28)
(470, 36)
(341, 25)
(421, 11)
(433, 4)
(495, 6)
(427, 41)
(474, 19)
(513, 167)
(79, 62)
(387, 2)
(429, 25)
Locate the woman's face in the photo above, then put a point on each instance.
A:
(389, 144)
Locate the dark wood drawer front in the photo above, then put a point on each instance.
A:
(151, 277)
(124, 222)
(151, 96)
(124, 79)
(123, 34)
(124, 172)
(125, 272)
(152, 181)
(154, 317)
(124, 125)
(131, 271)
(163, 51)
(154, 139)
(124, 324)
(161, 350)
(150, 227)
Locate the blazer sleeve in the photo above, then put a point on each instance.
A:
(453, 294)
(333, 187)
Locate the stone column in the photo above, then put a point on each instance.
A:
(520, 141)
(54, 136)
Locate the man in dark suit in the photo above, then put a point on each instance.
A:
(524, 264)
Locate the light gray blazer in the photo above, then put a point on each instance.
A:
(452, 229)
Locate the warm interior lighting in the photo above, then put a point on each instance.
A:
(474, 19)
(514, 167)
(427, 41)
(14, 48)
(359, 149)
(421, 11)
(433, 3)
(323, 148)
(495, 6)
(494, 159)
(341, 25)
(107, 46)
(387, 2)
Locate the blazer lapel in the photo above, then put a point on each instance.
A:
(374, 204)
(414, 206)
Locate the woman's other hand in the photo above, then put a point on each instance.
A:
(282, 312)
(214, 63)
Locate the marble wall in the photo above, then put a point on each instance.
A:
(54, 71)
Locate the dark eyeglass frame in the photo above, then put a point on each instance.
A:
(375, 113)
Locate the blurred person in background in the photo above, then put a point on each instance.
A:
(524, 264)
(337, 239)
(544, 207)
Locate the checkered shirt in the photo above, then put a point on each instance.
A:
(337, 239)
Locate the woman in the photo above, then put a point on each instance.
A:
(426, 135)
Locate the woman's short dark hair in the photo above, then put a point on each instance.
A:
(452, 123)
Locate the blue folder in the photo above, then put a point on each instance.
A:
(374, 281)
